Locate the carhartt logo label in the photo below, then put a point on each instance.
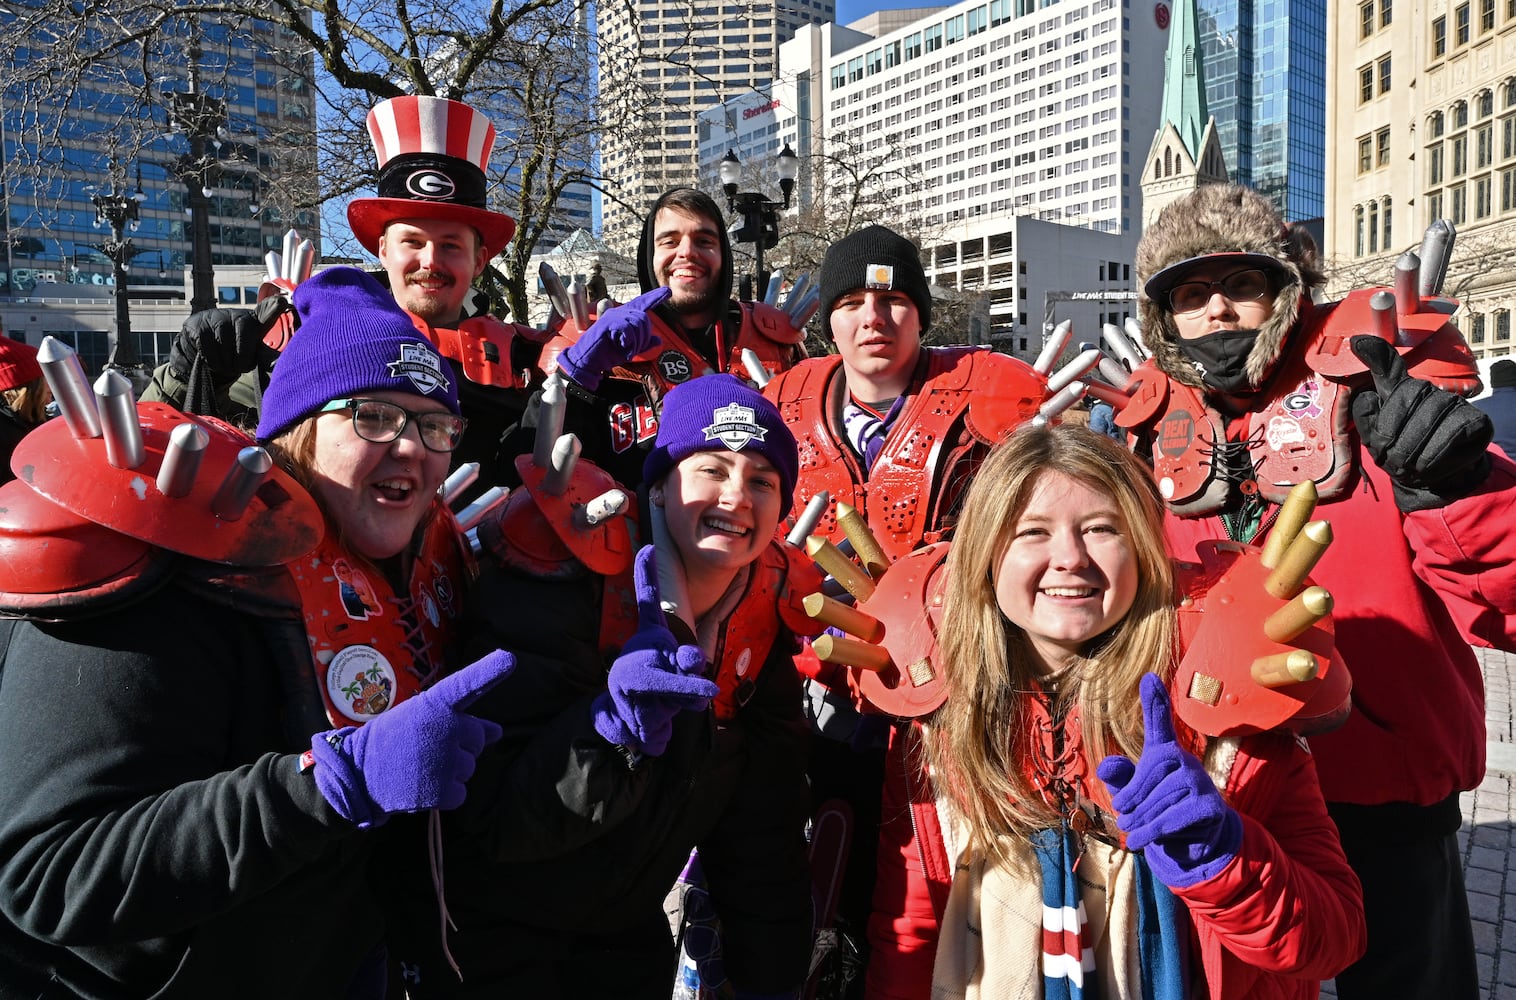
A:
(422, 366)
(735, 426)
(432, 185)
(880, 276)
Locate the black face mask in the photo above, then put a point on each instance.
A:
(1220, 358)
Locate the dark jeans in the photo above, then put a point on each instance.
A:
(1421, 941)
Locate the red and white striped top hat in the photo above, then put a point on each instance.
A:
(432, 156)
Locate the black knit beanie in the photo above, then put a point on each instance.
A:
(873, 257)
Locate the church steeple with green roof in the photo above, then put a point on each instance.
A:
(1186, 152)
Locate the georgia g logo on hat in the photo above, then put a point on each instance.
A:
(421, 366)
(430, 184)
(735, 426)
(880, 276)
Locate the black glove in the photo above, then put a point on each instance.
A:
(215, 347)
(1430, 441)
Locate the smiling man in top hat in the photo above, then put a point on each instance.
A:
(432, 232)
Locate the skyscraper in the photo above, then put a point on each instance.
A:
(661, 63)
(1265, 79)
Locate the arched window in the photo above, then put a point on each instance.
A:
(1435, 124)
(1460, 115)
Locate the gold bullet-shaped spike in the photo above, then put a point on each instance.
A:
(842, 569)
(838, 615)
(874, 561)
(1298, 560)
(852, 653)
(1282, 669)
(1307, 608)
(1293, 515)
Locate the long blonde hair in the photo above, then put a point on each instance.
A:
(979, 739)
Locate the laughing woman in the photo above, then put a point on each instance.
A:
(1064, 786)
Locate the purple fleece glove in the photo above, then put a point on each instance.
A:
(654, 678)
(415, 756)
(1169, 807)
(614, 339)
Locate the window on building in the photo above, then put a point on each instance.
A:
(1508, 189)
(1461, 24)
(1484, 105)
(1434, 207)
(1502, 325)
(1460, 115)
(1382, 147)
(1435, 124)
(1384, 74)
(1385, 11)
(1484, 146)
(1366, 19)
(1460, 155)
(1365, 84)
(1365, 155)
(1434, 164)
(1486, 16)
(1359, 241)
(1458, 203)
(1439, 36)
(1482, 187)
(1384, 220)
(1510, 92)
(1476, 328)
(1373, 227)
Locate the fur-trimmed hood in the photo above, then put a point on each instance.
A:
(1222, 218)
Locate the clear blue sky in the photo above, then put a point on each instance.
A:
(852, 10)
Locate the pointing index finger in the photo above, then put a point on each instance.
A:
(645, 583)
(460, 689)
(648, 300)
(1157, 716)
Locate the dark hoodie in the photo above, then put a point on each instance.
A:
(693, 202)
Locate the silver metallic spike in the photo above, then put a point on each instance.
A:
(1074, 370)
(561, 468)
(807, 308)
(1113, 372)
(1057, 341)
(552, 285)
(272, 266)
(1133, 327)
(755, 370)
(181, 459)
(1382, 305)
(798, 290)
(1408, 284)
(242, 480)
(470, 516)
(776, 282)
(579, 306)
(550, 412)
(1121, 347)
(1436, 252)
(65, 376)
(118, 420)
(305, 261)
(604, 507)
(288, 249)
(459, 480)
(805, 524)
(1062, 400)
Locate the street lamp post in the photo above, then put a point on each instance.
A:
(202, 118)
(760, 216)
(118, 211)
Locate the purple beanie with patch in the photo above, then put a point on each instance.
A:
(352, 338)
(719, 411)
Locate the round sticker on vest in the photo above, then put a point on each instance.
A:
(360, 682)
(744, 660)
(675, 367)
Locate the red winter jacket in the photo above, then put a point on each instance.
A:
(1287, 913)
(1410, 593)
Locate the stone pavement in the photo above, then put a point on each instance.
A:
(1489, 864)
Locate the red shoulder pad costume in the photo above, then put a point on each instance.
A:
(1303, 431)
(482, 346)
(970, 398)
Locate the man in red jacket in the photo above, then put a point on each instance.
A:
(1253, 387)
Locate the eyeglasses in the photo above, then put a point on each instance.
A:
(381, 422)
(1248, 285)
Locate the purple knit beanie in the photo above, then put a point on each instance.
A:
(718, 411)
(352, 338)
